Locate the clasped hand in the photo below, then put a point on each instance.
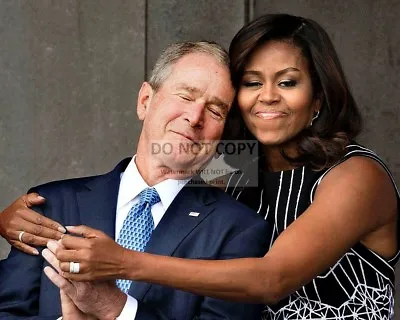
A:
(82, 300)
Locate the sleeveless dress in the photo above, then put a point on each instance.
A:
(359, 286)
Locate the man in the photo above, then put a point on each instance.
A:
(183, 106)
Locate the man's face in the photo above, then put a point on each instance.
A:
(184, 120)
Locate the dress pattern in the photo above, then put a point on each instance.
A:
(359, 286)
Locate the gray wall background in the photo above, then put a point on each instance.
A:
(71, 70)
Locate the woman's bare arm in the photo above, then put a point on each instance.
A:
(355, 202)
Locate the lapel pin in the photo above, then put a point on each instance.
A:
(194, 214)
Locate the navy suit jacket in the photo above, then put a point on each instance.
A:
(224, 229)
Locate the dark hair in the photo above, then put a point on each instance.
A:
(339, 120)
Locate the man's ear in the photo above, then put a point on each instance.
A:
(146, 93)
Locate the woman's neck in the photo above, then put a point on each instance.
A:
(275, 161)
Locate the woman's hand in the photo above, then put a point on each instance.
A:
(99, 256)
(24, 228)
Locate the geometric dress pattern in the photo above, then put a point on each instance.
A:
(137, 227)
(359, 286)
(365, 303)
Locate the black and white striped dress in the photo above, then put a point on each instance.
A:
(359, 286)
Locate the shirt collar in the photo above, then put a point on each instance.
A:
(132, 183)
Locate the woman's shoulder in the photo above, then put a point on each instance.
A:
(358, 166)
(359, 158)
(361, 167)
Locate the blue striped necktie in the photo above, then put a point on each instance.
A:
(137, 228)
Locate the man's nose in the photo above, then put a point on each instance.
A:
(195, 114)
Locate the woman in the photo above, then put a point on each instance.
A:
(332, 202)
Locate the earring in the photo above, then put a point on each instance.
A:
(314, 118)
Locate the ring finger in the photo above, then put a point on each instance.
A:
(29, 238)
(40, 231)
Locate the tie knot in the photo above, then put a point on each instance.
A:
(150, 196)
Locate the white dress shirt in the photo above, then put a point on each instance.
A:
(130, 186)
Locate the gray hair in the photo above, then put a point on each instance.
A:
(174, 52)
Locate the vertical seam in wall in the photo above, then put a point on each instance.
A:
(146, 16)
(248, 10)
(252, 9)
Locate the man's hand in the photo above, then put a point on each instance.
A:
(38, 230)
(99, 256)
(70, 311)
(101, 299)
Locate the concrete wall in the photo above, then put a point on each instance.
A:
(71, 69)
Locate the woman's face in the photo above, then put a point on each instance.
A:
(276, 95)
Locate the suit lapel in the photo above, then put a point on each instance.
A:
(175, 225)
(98, 201)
